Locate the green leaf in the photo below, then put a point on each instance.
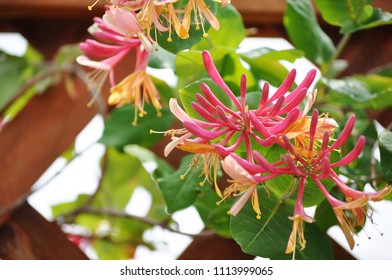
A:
(188, 95)
(370, 91)
(376, 17)
(181, 193)
(268, 236)
(306, 34)
(177, 44)
(231, 71)
(340, 13)
(214, 217)
(230, 34)
(156, 166)
(161, 59)
(122, 175)
(265, 63)
(325, 216)
(352, 15)
(107, 250)
(11, 68)
(385, 143)
(119, 132)
(67, 54)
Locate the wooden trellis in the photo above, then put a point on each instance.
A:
(49, 124)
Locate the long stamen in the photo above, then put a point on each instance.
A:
(91, 6)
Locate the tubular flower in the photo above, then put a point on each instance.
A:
(136, 88)
(297, 234)
(317, 166)
(244, 185)
(117, 46)
(245, 176)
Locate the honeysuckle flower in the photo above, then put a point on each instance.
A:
(297, 234)
(115, 48)
(137, 88)
(126, 23)
(201, 12)
(243, 185)
(317, 166)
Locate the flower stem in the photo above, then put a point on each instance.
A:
(339, 49)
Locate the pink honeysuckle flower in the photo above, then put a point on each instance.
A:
(225, 128)
(115, 48)
(244, 185)
(126, 23)
(137, 88)
(317, 166)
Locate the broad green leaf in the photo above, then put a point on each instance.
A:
(156, 166)
(325, 216)
(352, 15)
(190, 67)
(161, 59)
(11, 69)
(188, 95)
(290, 55)
(375, 17)
(122, 174)
(177, 44)
(214, 217)
(181, 193)
(232, 70)
(165, 91)
(268, 236)
(119, 131)
(230, 34)
(265, 63)
(371, 91)
(385, 143)
(304, 31)
(340, 13)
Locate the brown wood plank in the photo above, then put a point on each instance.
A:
(214, 247)
(28, 236)
(45, 128)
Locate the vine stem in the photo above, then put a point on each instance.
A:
(339, 49)
(120, 214)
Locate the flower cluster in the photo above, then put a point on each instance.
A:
(127, 26)
(231, 135)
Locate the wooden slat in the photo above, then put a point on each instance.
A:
(36, 137)
(214, 247)
(28, 236)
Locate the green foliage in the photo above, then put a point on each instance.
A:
(352, 15)
(268, 236)
(188, 95)
(214, 217)
(266, 64)
(305, 33)
(230, 34)
(119, 131)
(385, 143)
(177, 44)
(367, 91)
(180, 193)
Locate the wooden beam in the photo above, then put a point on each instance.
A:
(45, 128)
(29, 236)
(214, 247)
